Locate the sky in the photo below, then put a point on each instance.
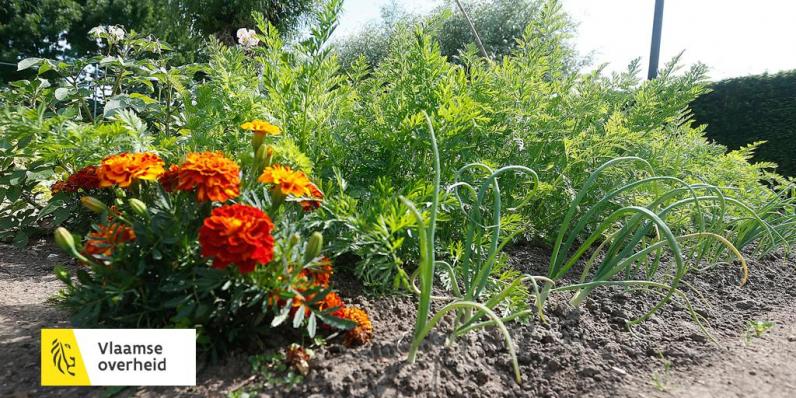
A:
(733, 37)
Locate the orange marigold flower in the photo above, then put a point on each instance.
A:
(315, 202)
(258, 126)
(237, 234)
(322, 275)
(362, 332)
(105, 240)
(214, 176)
(286, 180)
(332, 300)
(126, 168)
(170, 178)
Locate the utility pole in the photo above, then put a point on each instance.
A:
(655, 48)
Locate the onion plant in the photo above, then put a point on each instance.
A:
(778, 229)
(617, 245)
(630, 241)
(469, 276)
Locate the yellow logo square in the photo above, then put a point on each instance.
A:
(61, 362)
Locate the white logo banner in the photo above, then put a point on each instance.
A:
(119, 357)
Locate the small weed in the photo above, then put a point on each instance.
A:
(757, 329)
(660, 378)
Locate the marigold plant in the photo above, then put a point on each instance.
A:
(207, 247)
(126, 168)
(214, 176)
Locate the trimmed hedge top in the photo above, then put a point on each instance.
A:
(743, 110)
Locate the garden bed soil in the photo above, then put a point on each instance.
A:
(587, 351)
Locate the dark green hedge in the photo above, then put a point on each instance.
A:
(754, 108)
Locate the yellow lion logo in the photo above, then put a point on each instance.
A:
(61, 357)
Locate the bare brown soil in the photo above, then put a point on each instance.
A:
(587, 351)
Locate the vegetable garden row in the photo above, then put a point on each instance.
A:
(223, 196)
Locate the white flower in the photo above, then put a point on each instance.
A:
(116, 32)
(97, 31)
(247, 37)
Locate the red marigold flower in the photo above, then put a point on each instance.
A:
(362, 332)
(85, 179)
(126, 168)
(104, 241)
(213, 175)
(237, 234)
(315, 202)
(170, 179)
(59, 186)
(287, 181)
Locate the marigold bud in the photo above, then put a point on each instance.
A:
(265, 155)
(257, 141)
(138, 207)
(294, 239)
(314, 246)
(93, 204)
(65, 240)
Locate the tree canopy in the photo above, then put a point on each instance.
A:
(499, 24)
(59, 28)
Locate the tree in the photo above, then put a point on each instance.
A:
(498, 22)
(59, 28)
